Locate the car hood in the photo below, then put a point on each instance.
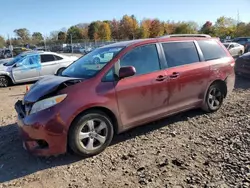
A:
(48, 85)
(3, 68)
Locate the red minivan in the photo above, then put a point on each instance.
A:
(120, 86)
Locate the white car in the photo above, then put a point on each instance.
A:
(234, 48)
(32, 66)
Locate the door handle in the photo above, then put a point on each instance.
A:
(161, 78)
(174, 75)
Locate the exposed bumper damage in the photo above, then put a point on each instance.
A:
(43, 133)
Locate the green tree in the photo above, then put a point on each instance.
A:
(185, 28)
(225, 26)
(23, 34)
(2, 42)
(37, 37)
(75, 32)
(61, 36)
(93, 30)
(104, 31)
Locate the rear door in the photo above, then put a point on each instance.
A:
(141, 97)
(50, 64)
(188, 75)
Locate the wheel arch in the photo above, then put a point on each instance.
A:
(9, 77)
(102, 109)
(221, 83)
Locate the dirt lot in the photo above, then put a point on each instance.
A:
(191, 149)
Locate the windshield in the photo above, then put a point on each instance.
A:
(90, 64)
(13, 61)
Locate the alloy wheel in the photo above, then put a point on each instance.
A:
(93, 134)
(215, 98)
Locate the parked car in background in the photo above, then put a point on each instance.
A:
(145, 80)
(19, 50)
(234, 48)
(31, 66)
(245, 41)
(242, 65)
(5, 53)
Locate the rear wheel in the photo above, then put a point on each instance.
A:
(4, 81)
(90, 134)
(214, 98)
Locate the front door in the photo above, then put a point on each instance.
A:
(188, 77)
(141, 97)
(27, 69)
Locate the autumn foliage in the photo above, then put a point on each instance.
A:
(128, 28)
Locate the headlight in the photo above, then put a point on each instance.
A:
(46, 103)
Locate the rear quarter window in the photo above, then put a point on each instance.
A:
(211, 50)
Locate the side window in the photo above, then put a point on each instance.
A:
(144, 58)
(211, 50)
(47, 58)
(30, 61)
(57, 57)
(180, 53)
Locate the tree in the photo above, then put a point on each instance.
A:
(156, 28)
(61, 36)
(225, 26)
(169, 28)
(185, 28)
(242, 29)
(75, 32)
(128, 27)
(115, 29)
(145, 28)
(208, 28)
(2, 42)
(53, 35)
(37, 37)
(23, 34)
(93, 30)
(104, 31)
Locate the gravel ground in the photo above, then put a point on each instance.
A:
(191, 149)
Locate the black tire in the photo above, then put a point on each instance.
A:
(219, 97)
(77, 145)
(4, 81)
(59, 72)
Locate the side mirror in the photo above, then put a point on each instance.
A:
(126, 71)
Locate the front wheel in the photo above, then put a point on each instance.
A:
(90, 134)
(4, 81)
(214, 98)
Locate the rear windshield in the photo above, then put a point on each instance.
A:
(211, 49)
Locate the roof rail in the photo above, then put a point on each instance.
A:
(186, 35)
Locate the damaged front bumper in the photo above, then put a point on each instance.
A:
(43, 133)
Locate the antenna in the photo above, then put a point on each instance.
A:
(238, 21)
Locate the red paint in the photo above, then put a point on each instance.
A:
(132, 100)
